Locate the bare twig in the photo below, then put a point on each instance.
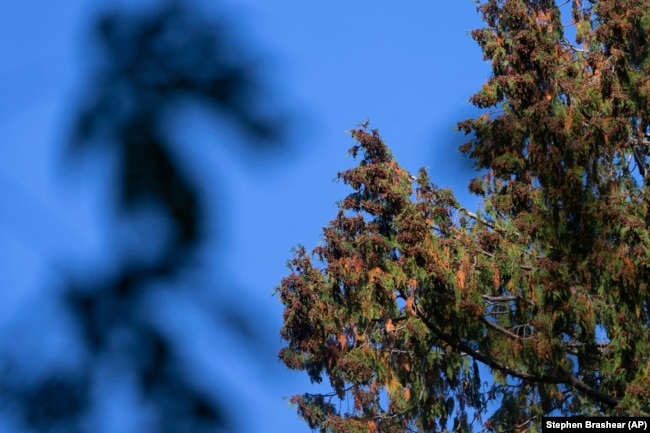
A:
(502, 330)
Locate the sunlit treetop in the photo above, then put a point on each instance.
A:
(546, 285)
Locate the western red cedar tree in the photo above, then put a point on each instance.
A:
(546, 285)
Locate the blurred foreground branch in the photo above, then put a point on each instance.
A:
(151, 63)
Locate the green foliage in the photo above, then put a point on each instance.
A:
(547, 285)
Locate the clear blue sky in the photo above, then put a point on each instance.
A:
(409, 67)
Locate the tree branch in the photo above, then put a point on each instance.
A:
(573, 348)
(500, 330)
(476, 218)
(508, 298)
(564, 378)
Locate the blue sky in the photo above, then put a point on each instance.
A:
(408, 67)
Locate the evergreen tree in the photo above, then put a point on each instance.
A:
(122, 344)
(546, 285)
